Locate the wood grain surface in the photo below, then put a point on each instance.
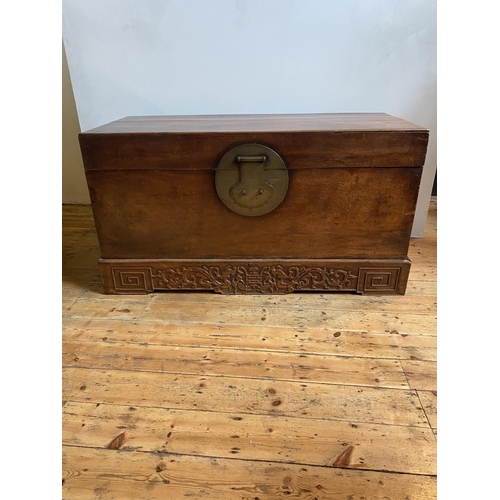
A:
(176, 215)
(310, 122)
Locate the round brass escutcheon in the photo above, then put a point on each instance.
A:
(251, 179)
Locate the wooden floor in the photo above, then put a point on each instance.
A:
(204, 396)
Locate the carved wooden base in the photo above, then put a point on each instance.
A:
(259, 276)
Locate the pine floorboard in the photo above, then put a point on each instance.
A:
(199, 395)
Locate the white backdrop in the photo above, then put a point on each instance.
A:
(154, 57)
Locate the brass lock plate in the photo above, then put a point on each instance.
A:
(251, 179)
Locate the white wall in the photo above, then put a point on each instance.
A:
(74, 185)
(140, 57)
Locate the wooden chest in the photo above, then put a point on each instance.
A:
(255, 203)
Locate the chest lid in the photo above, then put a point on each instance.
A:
(304, 141)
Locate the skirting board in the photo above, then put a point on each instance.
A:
(259, 276)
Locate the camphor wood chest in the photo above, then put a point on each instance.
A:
(255, 203)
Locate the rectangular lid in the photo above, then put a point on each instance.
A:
(317, 140)
(367, 122)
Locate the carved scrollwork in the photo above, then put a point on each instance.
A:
(225, 279)
(252, 278)
(287, 279)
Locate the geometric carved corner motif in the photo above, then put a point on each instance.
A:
(378, 280)
(133, 279)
